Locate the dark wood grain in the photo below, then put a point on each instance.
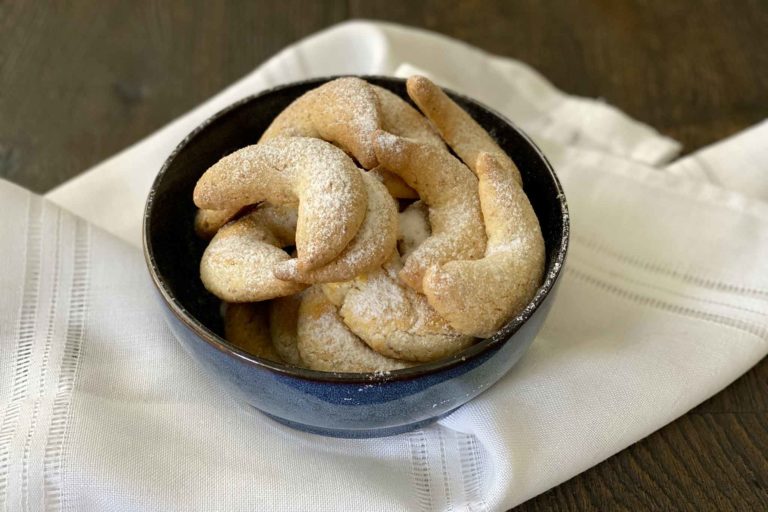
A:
(80, 81)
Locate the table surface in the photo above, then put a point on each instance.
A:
(80, 82)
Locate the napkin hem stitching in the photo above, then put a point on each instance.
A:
(25, 334)
(420, 469)
(658, 268)
(469, 459)
(648, 284)
(61, 412)
(756, 330)
(38, 409)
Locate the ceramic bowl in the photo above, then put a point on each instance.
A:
(335, 404)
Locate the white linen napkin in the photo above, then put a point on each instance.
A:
(663, 303)
(737, 163)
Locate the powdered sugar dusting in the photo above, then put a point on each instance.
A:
(345, 229)
(462, 133)
(325, 343)
(344, 111)
(236, 265)
(371, 246)
(331, 195)
(397, 321)
(399, 118)
(510, 271)
(413, 228)
(450, 191)
(355, 105)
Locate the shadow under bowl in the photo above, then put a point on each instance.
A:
(327, 403)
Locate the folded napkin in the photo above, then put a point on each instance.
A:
(737, 163)
(100, 408)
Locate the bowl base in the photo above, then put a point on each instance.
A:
(366, 433)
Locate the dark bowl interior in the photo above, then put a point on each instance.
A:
(173, 251)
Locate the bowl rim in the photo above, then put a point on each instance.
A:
(499, 338)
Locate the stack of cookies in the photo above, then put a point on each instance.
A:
(350, 238)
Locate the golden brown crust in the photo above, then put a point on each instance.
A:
(467, 138)
(371, 247)
(449, 189)
(247, 327)
(393, 319)
(283, 326)
(396, 187)
(477, 297)
(343, 111)
(335, 292)
(320, 177)
(237, 264)
(208, 222)
(326, 344)
(401, 119)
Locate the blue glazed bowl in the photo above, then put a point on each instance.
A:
(335, 404)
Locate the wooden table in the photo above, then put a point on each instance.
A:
(80, 82)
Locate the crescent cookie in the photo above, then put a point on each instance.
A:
(247, 327)
(237, 264)
(208, 222)
(401, 119)
(371, 247)
(344, 111)
(393, 319)
(477, 297)
(449, 189)
(283, 325)
(319, 176)
(462, 133)
(326, 344)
